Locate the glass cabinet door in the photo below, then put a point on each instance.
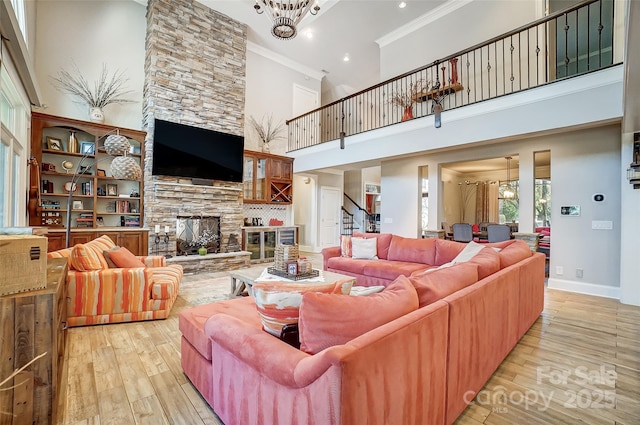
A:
(261, 178)
(253, 244)
(269, 244)
(247, 179)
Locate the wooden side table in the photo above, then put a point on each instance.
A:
(33, 323)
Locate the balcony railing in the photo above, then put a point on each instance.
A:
(565, 44)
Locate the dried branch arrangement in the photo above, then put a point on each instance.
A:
(268, 130)
(105, 91)
(406, 98)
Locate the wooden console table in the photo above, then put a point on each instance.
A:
(33, 323)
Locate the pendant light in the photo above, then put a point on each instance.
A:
(508, 192)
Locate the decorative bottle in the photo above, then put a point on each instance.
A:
(73, 142)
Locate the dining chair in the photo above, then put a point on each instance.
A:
(462, 232)
(448, 233)
(498, 233)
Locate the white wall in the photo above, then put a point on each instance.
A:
(474, 22)
(269, 91)
(583, 162)
(91, 33)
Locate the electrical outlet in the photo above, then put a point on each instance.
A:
(559, 270)
(579, 273)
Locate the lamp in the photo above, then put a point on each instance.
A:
(123, 167)
(286, 15)
(508, 192)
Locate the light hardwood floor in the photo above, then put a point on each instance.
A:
(579, 363)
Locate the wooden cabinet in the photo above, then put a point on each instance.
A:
(135, 240)
(66, 151)
(33, 323)
(267, 178)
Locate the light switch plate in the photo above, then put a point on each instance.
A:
(602, 225)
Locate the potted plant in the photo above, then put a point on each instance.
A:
(267, 130)
(105, 91)
(406, 98)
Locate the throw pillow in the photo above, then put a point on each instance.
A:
(106, 253)
(122, 258)
(442, 282)
(99, 245)
(84, 259)
(327, 320)
(345, 246)
(364, 248)
(278, 303)
(516, 251)
(468, 252)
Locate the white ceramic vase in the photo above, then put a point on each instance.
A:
(96, 115)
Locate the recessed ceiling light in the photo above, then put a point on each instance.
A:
(346, 58)
(402, 5)
(308, 34)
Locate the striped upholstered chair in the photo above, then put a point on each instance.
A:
(98, 293)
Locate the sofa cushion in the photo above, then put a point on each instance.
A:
(278, 303)
(345, 246)
(84, 259)
(446, 251)
(349, 265)
(330, 319)
(488, 262)
(120, 257)
(383, 241)
(412, 250)
(439, 283)
(517, 251)
(191, 320)
(390, 270)
(362, 248)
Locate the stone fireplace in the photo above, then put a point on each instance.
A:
(194, 75)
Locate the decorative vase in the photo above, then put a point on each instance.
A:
(96, 115)
(408, 113)
(265, 147)
(73, 142)
(202, 250)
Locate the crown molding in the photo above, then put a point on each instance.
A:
(422, 21)
(283, 60)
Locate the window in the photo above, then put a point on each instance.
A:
(508, 208)
(14, 130)
(21, 16)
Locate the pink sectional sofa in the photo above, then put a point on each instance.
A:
(421, 368)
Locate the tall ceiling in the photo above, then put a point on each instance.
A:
(342, 27)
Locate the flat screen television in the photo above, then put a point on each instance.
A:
(181, 150)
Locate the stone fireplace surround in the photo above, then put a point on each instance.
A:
(194, 75)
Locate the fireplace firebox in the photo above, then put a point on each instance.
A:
(195, 232)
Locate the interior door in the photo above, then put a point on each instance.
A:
(306, 100)
(329, 216)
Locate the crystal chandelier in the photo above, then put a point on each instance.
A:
(286, 15)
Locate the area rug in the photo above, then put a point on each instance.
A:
(205, 288)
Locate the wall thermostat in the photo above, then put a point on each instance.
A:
(598, 197)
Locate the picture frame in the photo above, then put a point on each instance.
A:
(101, 173)
(88, 148)
(99, 221)
(54, 144)
(77, 205)
(292, 268)
(112, 190)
